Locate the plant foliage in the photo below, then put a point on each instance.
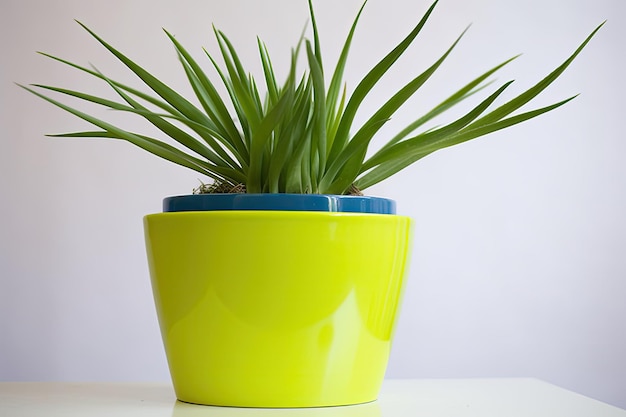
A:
(299, 135)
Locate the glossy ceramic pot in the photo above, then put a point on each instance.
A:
(277, 308)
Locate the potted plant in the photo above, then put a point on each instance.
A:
(302, 313)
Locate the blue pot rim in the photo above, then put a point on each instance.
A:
(280, 202)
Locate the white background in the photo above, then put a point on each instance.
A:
(519, 263)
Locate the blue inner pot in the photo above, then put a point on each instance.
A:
(280, 202)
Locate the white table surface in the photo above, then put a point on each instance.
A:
(514, 397)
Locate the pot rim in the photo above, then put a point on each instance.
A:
(280, 202)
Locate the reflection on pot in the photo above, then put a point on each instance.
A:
(182, 409)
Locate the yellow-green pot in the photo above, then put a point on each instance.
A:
(263, 308)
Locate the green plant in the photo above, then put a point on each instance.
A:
(298, 137)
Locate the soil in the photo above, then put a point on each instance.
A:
(228, 188)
